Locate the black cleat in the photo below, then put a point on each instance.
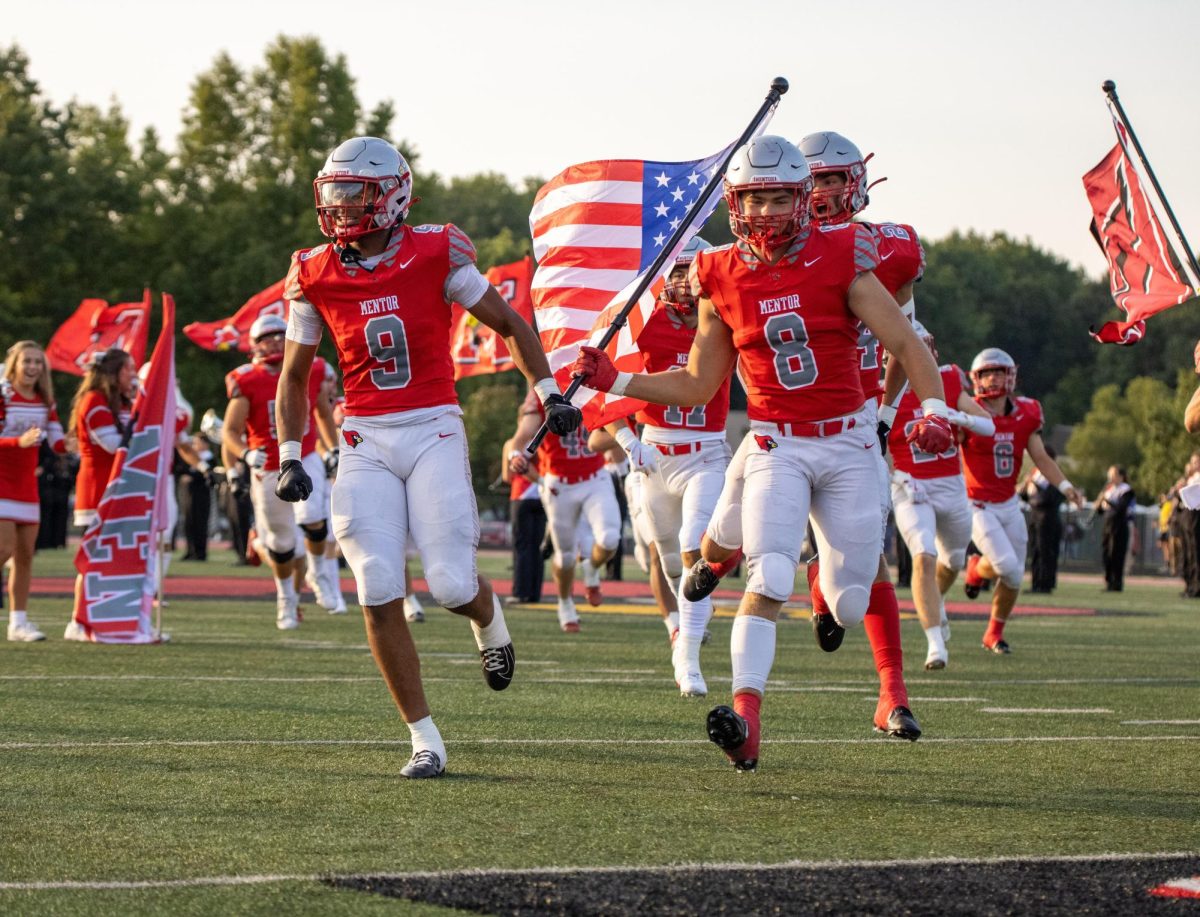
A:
(499, 664)
(423, 765)
(729, 732)
(1000, 648)
(901, 724)
(828, 632)
(971, 591)
(700, 581)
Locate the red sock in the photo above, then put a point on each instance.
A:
(725, 567)
(994, 632)
(882, 624)
(747, 706)
(820, 606)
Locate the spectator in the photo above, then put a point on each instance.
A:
(1046, 528)
(1116, 503)
(195, 501)
(56, 477)
(1166, 507)
(1190, 528)
(528, 519)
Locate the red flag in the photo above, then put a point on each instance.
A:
(116, 556)
(1145, 275)
(96, 327)
(476, 348)
(234, 333)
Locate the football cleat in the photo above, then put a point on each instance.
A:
(729, 732)
(828, 632)
(25, 632)
(499, 663)
(287, 612)
(253, 558)
(414, 613)
(594, 595)
(900, 724)
(973, 583)
(700, 581)
(935, 661)
(570, 627)
(691, 684)
(1000, 648)
(423, 765)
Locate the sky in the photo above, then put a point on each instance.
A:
(981, 116)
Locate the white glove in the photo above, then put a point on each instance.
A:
(642, 457)
(255, 458)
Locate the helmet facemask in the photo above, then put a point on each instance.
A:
(766, 232)
(998, 386)
(268, 348)
(351, 206)
(677, 291)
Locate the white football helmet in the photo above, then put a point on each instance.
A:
(264, 347)
(766, 163)
(677, 290)
(831, 152)
(988, 359)
(212, 425)
(364, 186)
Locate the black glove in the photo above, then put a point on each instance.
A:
(882, 431)
(294, 483)
(561, 416)
(331, 463)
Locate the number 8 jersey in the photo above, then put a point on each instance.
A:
(390, 317)
(991, 464)
(796, 338)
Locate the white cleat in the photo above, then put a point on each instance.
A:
(76, 632)
(340, 608)
(945, 626)
(935, 660)
(287, 616)
(24, 632)
(691, 684)
(568, 616)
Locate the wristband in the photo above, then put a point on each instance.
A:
(1064, 485)
(545, 388)
(934, 407)
(887, 414)
(626, 439)
(618, 387)
(289, 451)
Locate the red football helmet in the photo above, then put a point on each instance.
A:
(989, 359)
(266, 339)
(768, 163)
(364, 186)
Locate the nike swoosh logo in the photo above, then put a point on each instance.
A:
(885, 257)
(444, 435)
(814, 261)
(404, 264)
(869, 446)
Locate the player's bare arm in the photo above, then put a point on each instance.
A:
(326, 426)
(876, 308)
(291, 399)
(605, 438)
(233, 431)
(1047, 466)
(521, 339)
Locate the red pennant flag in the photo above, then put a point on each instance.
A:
(116, 556)
(234, 333)
(1145, 275)
(476, 348)
(96, 327)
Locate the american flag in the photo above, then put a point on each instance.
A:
(597, 228)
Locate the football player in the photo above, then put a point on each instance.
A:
(682, 452)
(575, 490)
(991, 464)
(786, 301)
(383, 289)
(248, 434)
(930, 502)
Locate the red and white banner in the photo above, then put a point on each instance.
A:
(1144, 273)
(234, 333)
(117, 556)
(96, 327)
(476, 348)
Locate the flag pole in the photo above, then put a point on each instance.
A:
(779, 86)
(1110, 90)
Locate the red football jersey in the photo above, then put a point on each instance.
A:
(901, 261)
(665, 343)
(95, 463)
(258, 383)
(564, 456)
(908, 457)
(392, 324)
(796, 338)
(991, 463)
(18, 464)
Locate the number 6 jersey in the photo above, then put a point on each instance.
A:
(991, 463)
(389, 315)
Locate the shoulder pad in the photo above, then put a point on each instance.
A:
(716, 248)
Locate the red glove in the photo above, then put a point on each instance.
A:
(595, 368)
(932, 435)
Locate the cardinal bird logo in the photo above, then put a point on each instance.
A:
(352, 438)
(765, 443)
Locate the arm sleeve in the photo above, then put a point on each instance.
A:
(304, 324)
(107, 438)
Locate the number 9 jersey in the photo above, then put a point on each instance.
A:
(991, 464)
(389, 316)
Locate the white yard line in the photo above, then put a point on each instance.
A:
(1160, 722)
(1071, 710)
(807, 865)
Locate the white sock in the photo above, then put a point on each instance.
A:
(332, 570)
(425, 737)
(936, 643)
(752, 650)
(672, 622)
(496, 633)
(693, 617)
(591, 575)
(285, 588)
(566, 611)
(16, 617)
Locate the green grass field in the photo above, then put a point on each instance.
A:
(240, 751)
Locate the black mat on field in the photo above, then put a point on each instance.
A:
(1026, 887)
